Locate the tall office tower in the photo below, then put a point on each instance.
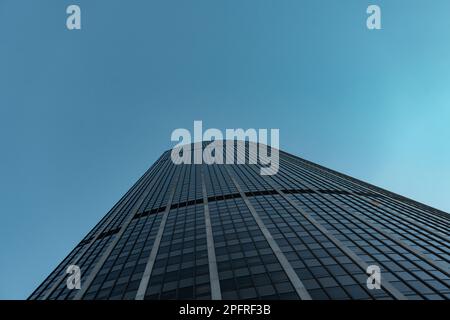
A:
(214, 231)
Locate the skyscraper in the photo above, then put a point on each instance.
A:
(211, 231)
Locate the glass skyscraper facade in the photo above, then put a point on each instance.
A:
(202, 231)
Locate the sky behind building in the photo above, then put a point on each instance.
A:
(84, 113)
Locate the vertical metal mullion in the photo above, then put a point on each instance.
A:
(287, 267)
(392, 290)
(390, 237)
(212, 261)
(140, 294)
(112, 245)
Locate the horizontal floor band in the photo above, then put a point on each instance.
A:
(248, 194)
(226, 197)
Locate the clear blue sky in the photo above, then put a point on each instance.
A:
(84, 113)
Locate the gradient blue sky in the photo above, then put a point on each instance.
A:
(84, 113)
